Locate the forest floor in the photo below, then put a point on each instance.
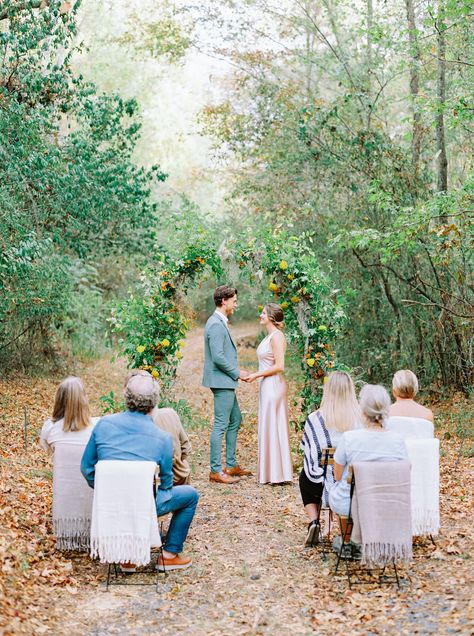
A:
(251, 573)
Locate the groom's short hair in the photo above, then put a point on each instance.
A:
(223, 292)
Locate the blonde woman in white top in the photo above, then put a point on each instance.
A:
(65, 435)
(339, 412)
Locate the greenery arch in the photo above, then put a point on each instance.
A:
(152, 323)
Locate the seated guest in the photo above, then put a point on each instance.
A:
(407, 417)
(133, 436)
(65, 435)
(168, 420)
(370, 443)
(339, 412)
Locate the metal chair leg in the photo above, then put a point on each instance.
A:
(108, 577)
(164, 566)
(396, 573)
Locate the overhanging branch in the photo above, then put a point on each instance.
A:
(21, 6)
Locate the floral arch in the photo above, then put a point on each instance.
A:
(152, 324)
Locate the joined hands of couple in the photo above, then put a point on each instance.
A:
(246, 376)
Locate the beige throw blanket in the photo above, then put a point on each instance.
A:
(124, 522)
(168, 420)
(72, 499)
(381, 511)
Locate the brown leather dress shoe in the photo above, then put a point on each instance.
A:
(237, 471)
(222, 478)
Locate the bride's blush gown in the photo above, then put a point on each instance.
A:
(274, 455)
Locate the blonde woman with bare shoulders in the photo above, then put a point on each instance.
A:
(274, 455)
(407, 417)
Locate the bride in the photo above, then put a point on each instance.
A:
(274, 456)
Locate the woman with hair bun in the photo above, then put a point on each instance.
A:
(371, 443)
(274, 455)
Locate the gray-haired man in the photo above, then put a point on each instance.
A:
(133, 436)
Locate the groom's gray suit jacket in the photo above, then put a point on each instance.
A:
(220, 356)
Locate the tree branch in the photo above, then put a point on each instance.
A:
(5, 14)
(439, 306)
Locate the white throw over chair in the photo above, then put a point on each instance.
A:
(124, 522)
(410, 427)
(424, 458)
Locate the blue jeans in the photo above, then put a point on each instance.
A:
(182, 504)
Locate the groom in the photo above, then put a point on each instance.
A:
(221, 375)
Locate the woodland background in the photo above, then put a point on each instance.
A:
(150, 131)
(347, 123)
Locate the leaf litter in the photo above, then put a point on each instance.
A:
(251, 573)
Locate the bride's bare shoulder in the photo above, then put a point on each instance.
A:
(279, 336)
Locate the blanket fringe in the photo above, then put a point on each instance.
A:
(424, 521)
(381, 554)
(121, 549)
(72, 534)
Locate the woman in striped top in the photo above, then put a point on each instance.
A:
(339, 412)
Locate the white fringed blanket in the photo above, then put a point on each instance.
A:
(124, 521)
(381, 511)
(409, 427)
(72, 498)
(424, 457)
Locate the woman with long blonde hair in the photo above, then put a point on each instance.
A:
(339, 412)
(65, 435)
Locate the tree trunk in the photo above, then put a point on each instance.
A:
(415, 63)
(370, 21)
(442, 160)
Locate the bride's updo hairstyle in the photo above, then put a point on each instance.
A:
(275, 315)
(375, 404)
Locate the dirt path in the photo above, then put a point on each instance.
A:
(251, 574)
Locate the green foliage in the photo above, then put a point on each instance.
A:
(314, 312)
(190, 419)
(34, 289)
(322, 129)
(151, 323)
(110, 403)
(69, 190)
(162, 36)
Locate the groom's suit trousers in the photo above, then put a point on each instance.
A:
(227, 419)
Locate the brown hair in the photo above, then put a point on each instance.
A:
(72, 405)
(275, 315)
(223, 292)
(405, 384)
(339, 406)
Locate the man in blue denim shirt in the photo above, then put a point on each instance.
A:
(133, 436)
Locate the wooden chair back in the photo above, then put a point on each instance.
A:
(327, 456)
